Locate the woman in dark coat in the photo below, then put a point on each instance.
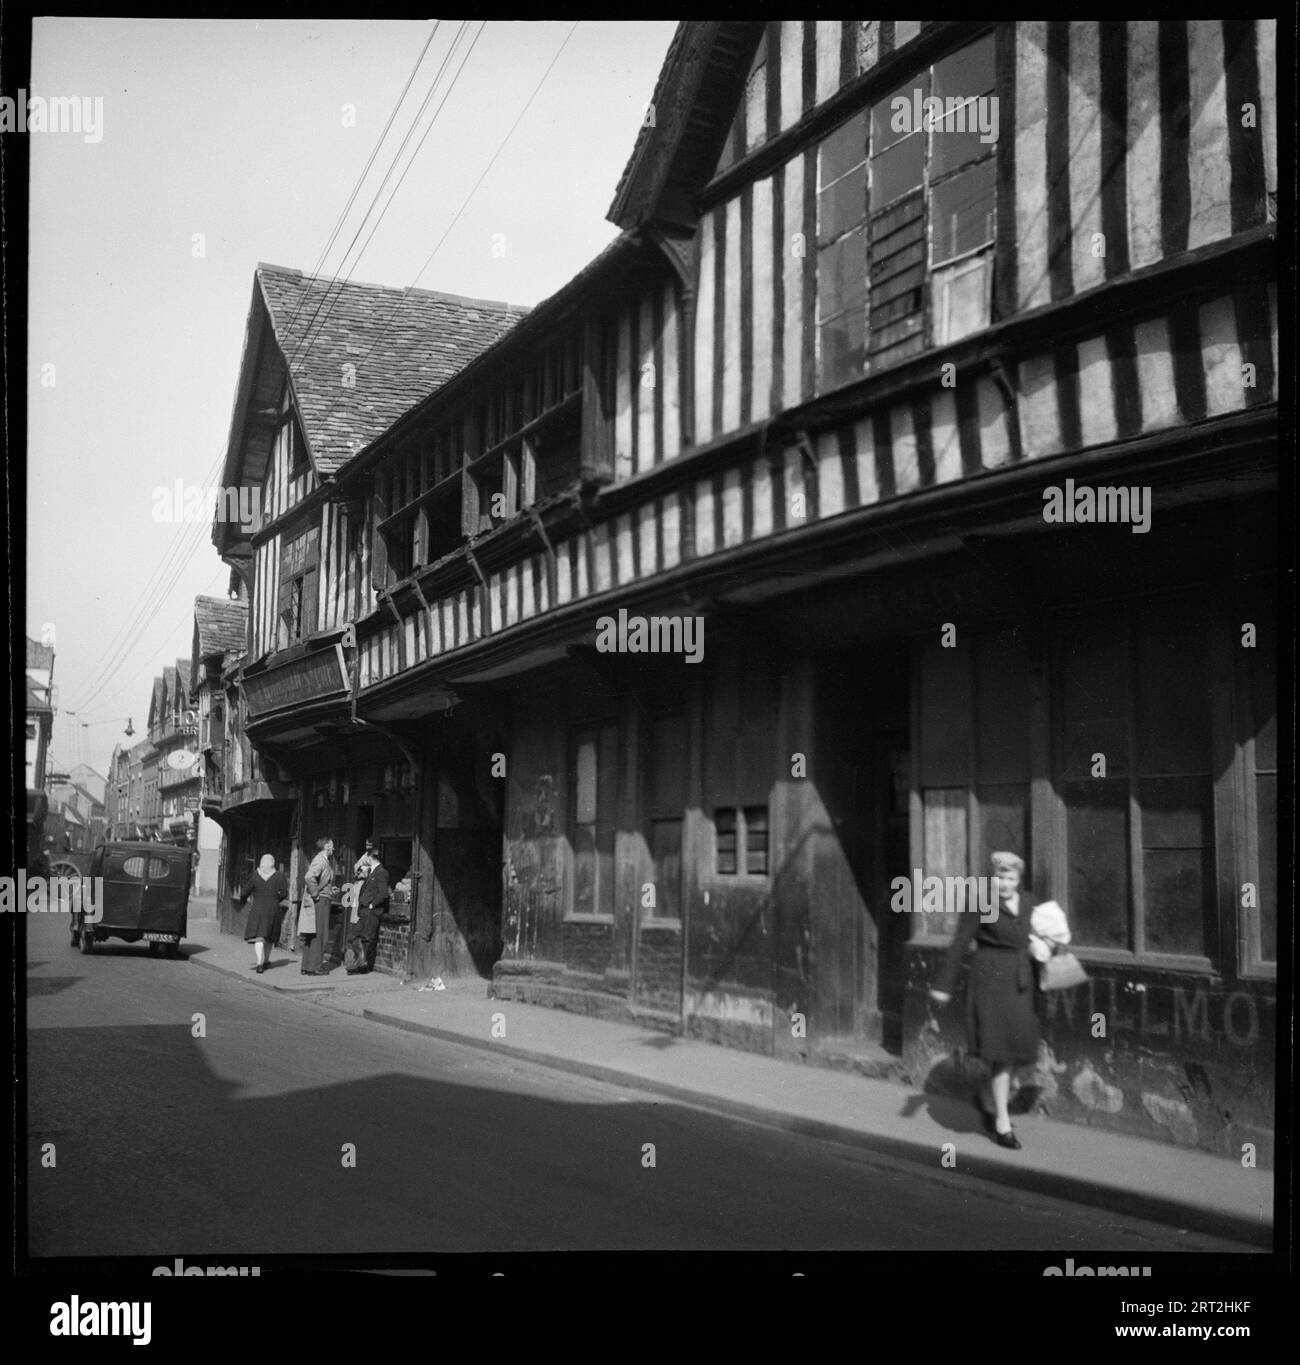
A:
(1001, 1014)
(267, 889)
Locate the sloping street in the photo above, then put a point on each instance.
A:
(177, 1145)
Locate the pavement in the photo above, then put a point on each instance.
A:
(1180, 1187)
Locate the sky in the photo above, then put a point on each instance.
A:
(222, 143)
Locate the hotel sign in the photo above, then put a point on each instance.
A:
(317, 677)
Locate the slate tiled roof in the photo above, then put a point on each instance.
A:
(222, 624)
(404, 344)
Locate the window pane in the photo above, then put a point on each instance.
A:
(1091, 670)
(955, 139)
(889, 125)
(1176, 867)
(607, 775)
(724, 825)
(585, 799)
(897, 171)
(1173, 729)
(1261, 663)
(1266, 815)
(1175, 882)
(584, 870)
(1004, 824)
(756, 841)
(842, 206)
(961, 296)
(961, 213)
(842, 275)
(945, 847)
(1175, 812)
(845, 148)
(1097, 883)
(605, 868)
(968, 72)
(841, 350)
(666, 850)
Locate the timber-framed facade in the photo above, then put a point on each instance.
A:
(817, 395)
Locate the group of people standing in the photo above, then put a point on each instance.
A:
(366, 898)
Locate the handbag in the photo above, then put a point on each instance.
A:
(1061, 971)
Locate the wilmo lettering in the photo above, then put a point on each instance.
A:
(1083, 506)
(919, 895)
(77, 1319)
(651, 635)
(52, 895)
(1076, 1270)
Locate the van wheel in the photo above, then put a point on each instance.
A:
(87, 941)
(173, 950)
(154, 949)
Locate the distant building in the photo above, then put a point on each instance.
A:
(220, 630)
(40, 711)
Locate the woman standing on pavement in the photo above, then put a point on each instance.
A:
(267, 888)
(1001, 1014)
(314, 915)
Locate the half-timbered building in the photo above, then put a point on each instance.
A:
(931, 388)
(327, 366)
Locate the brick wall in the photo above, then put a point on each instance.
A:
(394, 935)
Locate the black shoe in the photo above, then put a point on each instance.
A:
(1008, 1139)
(260, 968)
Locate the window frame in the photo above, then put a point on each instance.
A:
(1251, 963)
(742, 872)
(593, 729)
(1233, 850)
(904, 347)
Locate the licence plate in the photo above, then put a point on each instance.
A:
(162, 938)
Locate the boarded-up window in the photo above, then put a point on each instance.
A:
(906, 216)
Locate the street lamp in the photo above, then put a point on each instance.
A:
(110, 720)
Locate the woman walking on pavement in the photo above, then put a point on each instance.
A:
(314, 916)
(267, 888)
(1001, 1014)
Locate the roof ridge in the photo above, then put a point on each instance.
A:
(499, 305)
